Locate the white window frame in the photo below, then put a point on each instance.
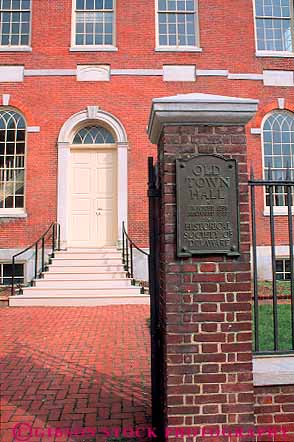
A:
(91, 48)
(283, 258)
(164, 48)
(278, 210)
(17, 212)
(266, 53)
(21, 48)
(10, 263)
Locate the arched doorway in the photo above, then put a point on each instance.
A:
(92, 179)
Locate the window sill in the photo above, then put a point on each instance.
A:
(93, 49)
(278, 211)
(178, 49)
(13, 213)
(281, 54)
(15, 49)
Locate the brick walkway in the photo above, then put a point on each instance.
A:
(74, 368)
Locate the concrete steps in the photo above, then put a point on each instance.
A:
(85, 276)
(82, 277)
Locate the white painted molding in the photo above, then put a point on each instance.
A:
(278, 78)
(93, 73)
(278, 211)
(281, 103)
(275, 54)
(137, 72)
(211, 73)
(255, 131)
(92, 112)
(198, 109)
(179, 73)
(33, 129)
(13, 213)
(178, 49)
(93, 49)
(77, 120)
(15, 49)
(5, 99)
(11, 74)
(49, 72)
(257, 77)
(89, 115)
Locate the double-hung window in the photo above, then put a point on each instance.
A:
(15, 23)
(274, 25)
(177, 24)
(94, 23)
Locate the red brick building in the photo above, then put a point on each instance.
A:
(77, 78)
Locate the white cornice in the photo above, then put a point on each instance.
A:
(193, 108)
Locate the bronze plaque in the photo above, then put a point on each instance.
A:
(207, 206)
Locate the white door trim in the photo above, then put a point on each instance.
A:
(91, 115)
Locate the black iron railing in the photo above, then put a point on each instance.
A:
(44, 247)
(128, 247)
(273, 300)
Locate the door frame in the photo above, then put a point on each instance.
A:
(91, 115)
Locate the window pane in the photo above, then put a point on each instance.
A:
(278, 130)
(273, 25)
(176, 26)
(15, 20)
(12, 159)
(94, 28)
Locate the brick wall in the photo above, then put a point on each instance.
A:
(274, 408)
(208, 310)
(49, 101)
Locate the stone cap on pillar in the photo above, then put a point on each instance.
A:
(189, 109)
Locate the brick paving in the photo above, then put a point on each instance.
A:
(68, 369)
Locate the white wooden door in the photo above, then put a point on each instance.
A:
(93, 204)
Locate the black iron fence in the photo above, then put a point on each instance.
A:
(273, 273)
(157, 322)
(41, 251)
(128, 247)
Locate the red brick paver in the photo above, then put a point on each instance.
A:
(64, 369)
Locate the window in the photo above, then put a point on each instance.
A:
(6, 273)
(278, 144)
(93, 135)
(15, 17)
(283, 269)
(12, 160)
(94, 23)
(274, 25)
(177, 23)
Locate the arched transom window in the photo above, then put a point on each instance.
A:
(12, 159)
(93, 135)
(278, 142)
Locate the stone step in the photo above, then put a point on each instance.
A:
(86, 262)
(89, 255)
(54, 291)
(85, 284)
(109, 249)
(76, 300)
(85, 269)
(98, 276)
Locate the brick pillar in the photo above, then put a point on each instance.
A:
(207, 299)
